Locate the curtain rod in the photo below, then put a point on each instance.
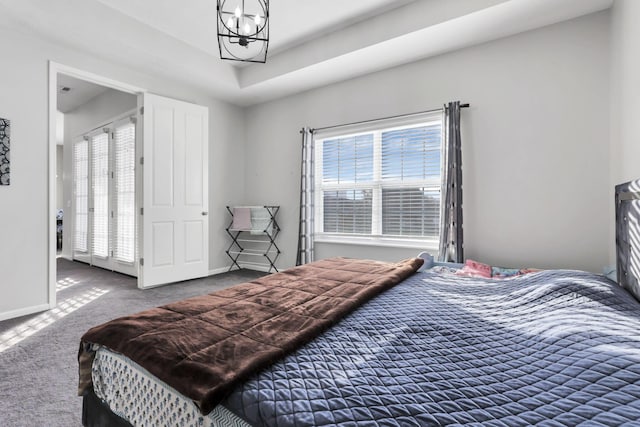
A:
(383, 118)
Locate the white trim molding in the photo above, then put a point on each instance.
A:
(25, 311)
(254, 267)
(377, 241)
(221, 270)
(264, 268)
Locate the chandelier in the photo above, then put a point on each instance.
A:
(243, 30)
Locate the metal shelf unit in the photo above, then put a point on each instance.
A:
(254, 246)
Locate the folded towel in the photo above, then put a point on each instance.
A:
(260, 221)
(241, 219)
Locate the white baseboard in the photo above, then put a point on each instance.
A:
(264, 268)
(220, 270)
(23, 311)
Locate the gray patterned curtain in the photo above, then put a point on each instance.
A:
(306, 227)
(451, 239)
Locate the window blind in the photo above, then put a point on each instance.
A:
(383, 181)
(348, 160)
(411, 168)
(348, 211)
(81, 195)
(124, 192)
(100, 193)
(411, 212)
(412, 154)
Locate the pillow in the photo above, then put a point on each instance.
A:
(529, 270)
(501, 273)
(428, 261)
(442, 269)
(475, 269)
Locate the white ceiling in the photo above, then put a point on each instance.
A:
(312, 42)
(80, 92)
(292, 21)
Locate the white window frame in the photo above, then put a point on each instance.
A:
(376, 238)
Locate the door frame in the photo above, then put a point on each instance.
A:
(54, 69)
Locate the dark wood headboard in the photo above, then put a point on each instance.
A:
(628, 236)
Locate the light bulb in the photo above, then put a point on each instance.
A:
(257, 19)
(247, 28)
(230, 22)
(238, 12)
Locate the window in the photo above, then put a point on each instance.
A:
(380, 183)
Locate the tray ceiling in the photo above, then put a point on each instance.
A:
(313, 42)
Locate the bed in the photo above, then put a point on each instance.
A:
(553, 347)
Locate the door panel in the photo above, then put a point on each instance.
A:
(163, 243)
(194, 241)
(162, 152)
(194, 174)
(175, 225)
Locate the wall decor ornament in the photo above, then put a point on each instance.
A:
(5, 160)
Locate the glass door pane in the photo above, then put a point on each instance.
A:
(81, 195)
(100, 187)
(124, 192)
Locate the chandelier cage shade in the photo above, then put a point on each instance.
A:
(243, 30)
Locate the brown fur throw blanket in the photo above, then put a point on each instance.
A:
(204, 346)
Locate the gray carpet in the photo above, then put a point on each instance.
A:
(38, 374)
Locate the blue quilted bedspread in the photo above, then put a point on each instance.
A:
(552, 348)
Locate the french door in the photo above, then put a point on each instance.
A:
(105, 198)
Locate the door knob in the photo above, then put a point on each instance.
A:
(205, 213)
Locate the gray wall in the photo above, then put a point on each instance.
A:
(24, 217)
(97, 111)
(535, 141)
(625, 101)
(537, 160)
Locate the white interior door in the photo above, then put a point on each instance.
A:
(174, 211)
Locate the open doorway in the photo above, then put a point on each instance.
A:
(96, 213)
(171, 155)
(92, 178)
